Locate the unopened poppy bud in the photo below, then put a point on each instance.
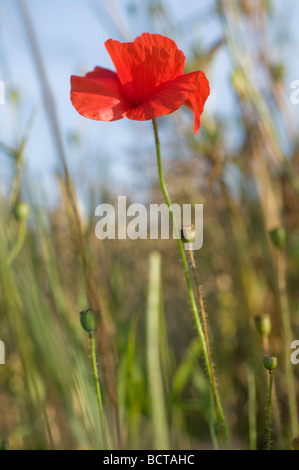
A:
(88, 320)
(188, 234)
(263, 324)
(21, 211)
(295, 442)
(278, 237)
(270, 363)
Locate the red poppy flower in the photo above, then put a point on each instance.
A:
(149, 82)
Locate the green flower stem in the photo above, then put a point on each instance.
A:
(251, 409)
(203, 320)
(17, 246)
(98, 387)
(216, 398)
(15, 185)
(269, 410)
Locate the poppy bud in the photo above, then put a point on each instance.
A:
(88, 320)
(21, 211)
(278, 237)
(270, 363)
(263, 324)
(188, 234)
(295, 442)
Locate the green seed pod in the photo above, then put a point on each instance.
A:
(295, 442)
(278, 237)
(21, 211)
(263, 324)
(188, 234)
(270, 362)
(88, 320)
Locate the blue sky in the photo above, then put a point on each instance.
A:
(71, 36)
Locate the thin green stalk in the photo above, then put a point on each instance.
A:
(223, 428)
(251, 409)
(16, 184)
(203, 319)
(17, 246)
(286, 323)
(97, 386)
(269, 409)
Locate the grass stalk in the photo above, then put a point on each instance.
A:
(15, 250)
(153, 354)
(286, 323)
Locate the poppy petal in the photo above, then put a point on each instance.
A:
(141, 68)
(167, 98)
(98, 95)
(197, 101)
(156, 40)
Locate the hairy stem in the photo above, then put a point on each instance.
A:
(98, 387)
(269, 409)
(216, 398)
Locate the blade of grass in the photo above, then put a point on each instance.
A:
(153, 354)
